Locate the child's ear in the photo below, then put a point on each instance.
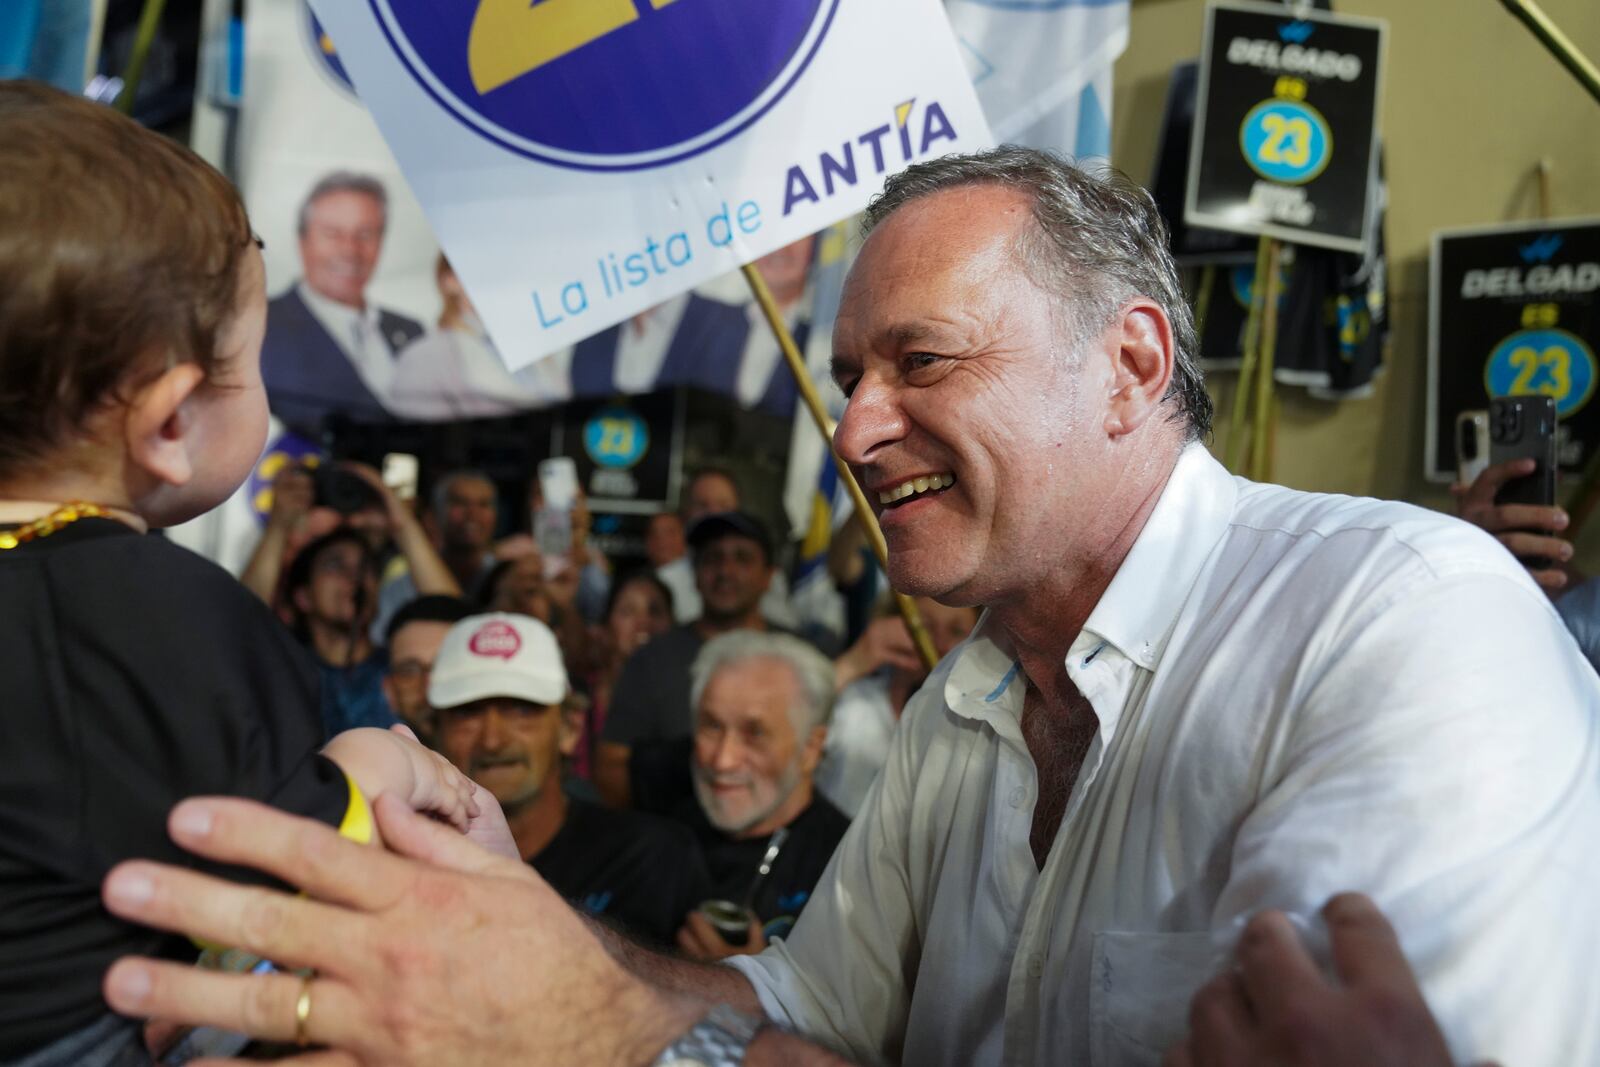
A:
(158, 424)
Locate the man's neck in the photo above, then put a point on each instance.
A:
(790, 810)
(1042, 622)
(332, 644)
(465, 562)
(708, 627)
(535, 824)
(358, 308)
(901, 685)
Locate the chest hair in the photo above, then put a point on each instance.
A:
(1058, 734)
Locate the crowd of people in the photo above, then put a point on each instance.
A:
(632, 817)
(637, 779)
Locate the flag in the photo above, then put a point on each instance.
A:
(1042, 68)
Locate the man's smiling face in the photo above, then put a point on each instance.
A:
(972, 426)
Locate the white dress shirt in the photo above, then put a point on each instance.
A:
(642, 344)
(360, 334)
(457, 373)
(1296, 695)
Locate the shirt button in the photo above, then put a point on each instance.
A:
(1035, 965)
(1018, 796)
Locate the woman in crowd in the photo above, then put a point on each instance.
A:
(639, 609)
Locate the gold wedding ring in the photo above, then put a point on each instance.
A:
(302, 1012)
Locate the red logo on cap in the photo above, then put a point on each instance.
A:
(496, 639)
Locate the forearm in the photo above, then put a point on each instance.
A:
(428, 570)
(777, 1048)
(711, 983)
(707, 984)
(851, 666)
(266, 563)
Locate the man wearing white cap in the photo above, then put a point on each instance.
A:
(497, 690)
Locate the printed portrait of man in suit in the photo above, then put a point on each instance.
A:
(329, 349)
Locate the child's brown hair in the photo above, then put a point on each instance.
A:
(120, 254)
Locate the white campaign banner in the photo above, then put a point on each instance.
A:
(1032, 59)
(582, 161)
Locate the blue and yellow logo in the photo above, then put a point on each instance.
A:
(287, 450)
(616, 438)
(323, 53)
(1548, 362)
(606, 84)
(1242, 283)
(1286, 141)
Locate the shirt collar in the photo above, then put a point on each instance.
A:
(326, 309)
(1138, 610)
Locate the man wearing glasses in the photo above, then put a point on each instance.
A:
(414, 637)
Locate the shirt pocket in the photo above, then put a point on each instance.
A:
(1139, 992)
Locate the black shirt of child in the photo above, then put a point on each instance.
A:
(636, 872)
(733, 863)
(133, 674)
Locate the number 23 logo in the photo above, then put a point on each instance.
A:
(1286, 141)
(1547, 362)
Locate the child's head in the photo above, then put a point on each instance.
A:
(132, 308)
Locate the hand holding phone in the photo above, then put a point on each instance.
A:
(558, 490)
(1524, 427)
(1514, 497)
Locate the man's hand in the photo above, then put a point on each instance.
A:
(699, 940)
(1277, 1009)
(396, 510)
(1511, 523)
(885, 641)
(464, 958)
(516, 546)
(292, 496)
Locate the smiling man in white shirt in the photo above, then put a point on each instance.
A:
(1190, 698)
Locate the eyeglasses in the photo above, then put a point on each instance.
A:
(410, 671)
(344, 568)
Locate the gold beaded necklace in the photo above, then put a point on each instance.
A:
(65, 515)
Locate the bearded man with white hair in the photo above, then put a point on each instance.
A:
(761, 704)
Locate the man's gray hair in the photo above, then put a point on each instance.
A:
(343, 181)
(440, 499)
(1098, 240)
(812, 671)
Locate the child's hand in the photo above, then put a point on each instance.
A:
(489, 829)
(438, 787)
(392, 761)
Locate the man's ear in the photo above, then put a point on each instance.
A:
(570, 728)
(1143, 368)
(158, 422)
(811, 755)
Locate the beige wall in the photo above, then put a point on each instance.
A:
(1472, 103)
